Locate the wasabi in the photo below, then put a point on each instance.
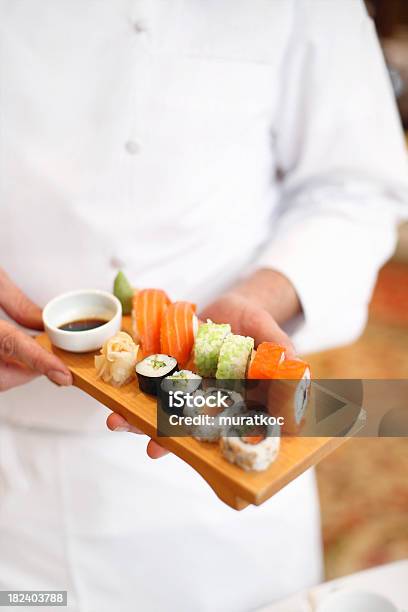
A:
(123, 290)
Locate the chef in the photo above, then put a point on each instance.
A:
(244, 155)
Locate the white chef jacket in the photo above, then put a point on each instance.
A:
(186, 142)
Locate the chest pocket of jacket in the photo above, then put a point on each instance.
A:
(212, 86)
(208, 116)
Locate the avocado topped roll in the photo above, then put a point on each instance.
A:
(209, 339)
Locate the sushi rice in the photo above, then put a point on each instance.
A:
(183, 380)
(301, 396)
(182, 383)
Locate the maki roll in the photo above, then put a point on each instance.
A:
(234, 357)
(252, 446)
(183, 380)
(184, 383)
(211, 405)
(288, 394)
(207, 347)
(178, 329)
(151, 371)
(149, 306)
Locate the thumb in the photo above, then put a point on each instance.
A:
(17, 305)
(263, 328)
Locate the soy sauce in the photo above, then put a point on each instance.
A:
(82, 325)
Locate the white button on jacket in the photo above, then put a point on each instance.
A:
(132, 147)
(223, 97)
(139, 27)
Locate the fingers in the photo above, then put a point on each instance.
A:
(115, 422)
(263, 328)
(155, 451)
(15, 346)
(17, 305)
(14, 375)
(249, 319)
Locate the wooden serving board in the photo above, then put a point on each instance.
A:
(232, 485)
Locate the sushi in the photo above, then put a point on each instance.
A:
(267, 359)
(183, 380)
(151, 371)
(212, 405)
(253, 446)
(207, 347)
(185, 383)
(288, 393)
(234, 357)
(149, 306)
(117, 360)
(178, 330)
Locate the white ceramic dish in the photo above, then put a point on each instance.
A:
(356, 601)
(83, 304)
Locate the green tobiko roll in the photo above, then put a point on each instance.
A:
(234, 357)
(208, 343)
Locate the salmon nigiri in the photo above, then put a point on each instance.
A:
(149, 306)
(267, 359)
(178, 330)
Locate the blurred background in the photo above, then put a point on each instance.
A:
(363, 486)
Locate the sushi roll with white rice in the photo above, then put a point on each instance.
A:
(183, 380)
(288, 394)
(151, 371)
(181, 383)
(211, 405)
(252, 447)
(207, 346)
